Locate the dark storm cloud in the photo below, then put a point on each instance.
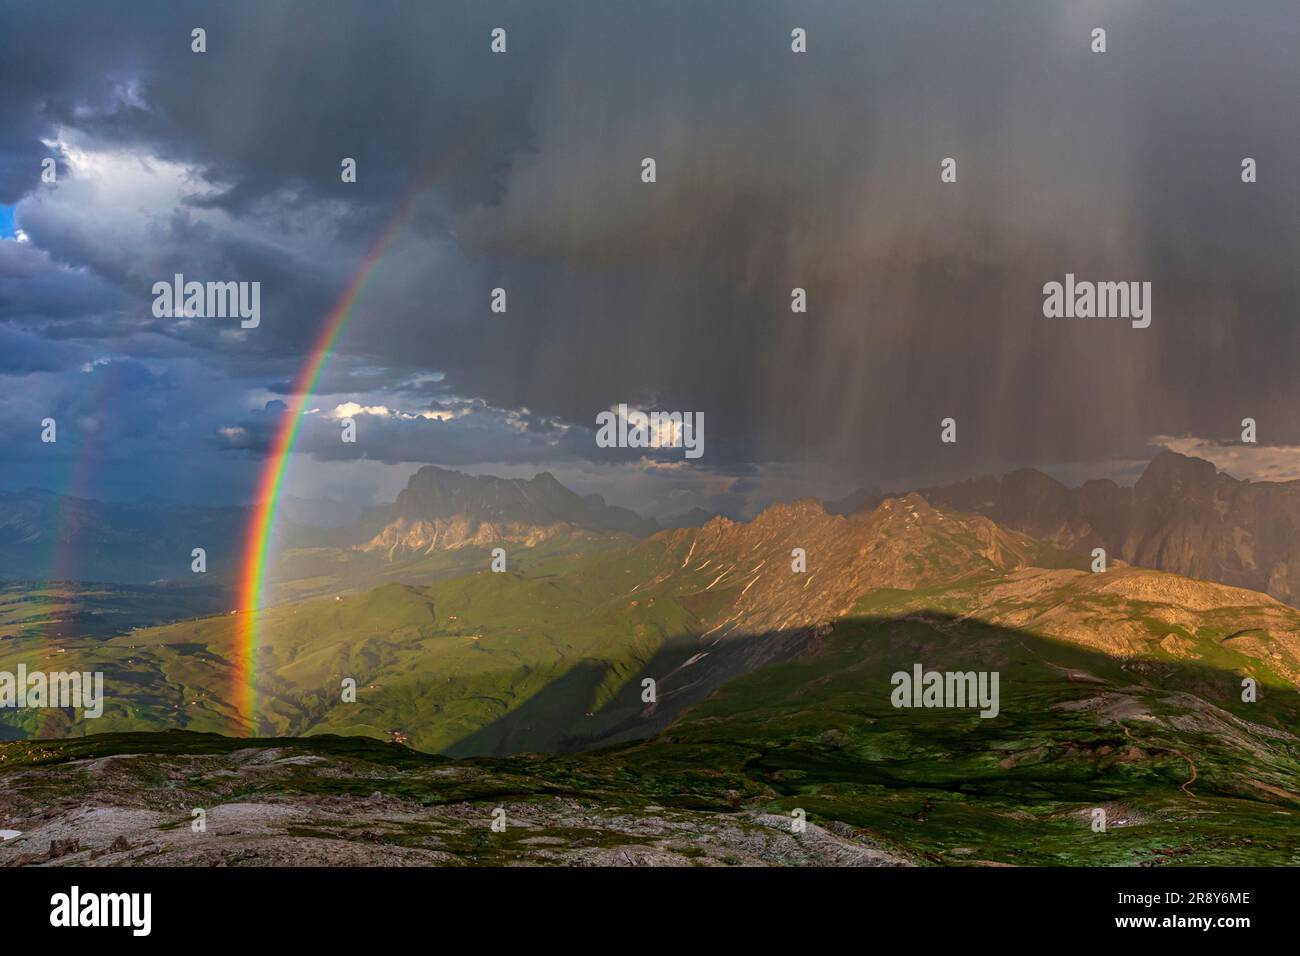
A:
(22, 353)
(352, 376)
(120, 408)
(38, 293)
(285, 90)
(126, 258)
(452, 433)
(822, 172)
(478, 434)
(255, 432)
(775, 170)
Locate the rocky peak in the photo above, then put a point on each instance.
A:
(1172, 474)
(441, 509)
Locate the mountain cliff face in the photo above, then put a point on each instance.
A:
(1182, 515)
(441, 510)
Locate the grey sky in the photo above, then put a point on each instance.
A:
(775, 170)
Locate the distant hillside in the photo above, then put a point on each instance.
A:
(44, 535)
(553, 656)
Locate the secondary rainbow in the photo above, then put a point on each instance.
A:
(258, 538)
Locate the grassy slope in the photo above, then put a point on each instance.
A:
(822, 735)
(305, 573)
(944, 786)
(440, 662)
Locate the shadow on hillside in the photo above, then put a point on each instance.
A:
(1035, 672)
(531, 726)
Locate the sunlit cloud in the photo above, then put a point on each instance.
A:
(1249, 462)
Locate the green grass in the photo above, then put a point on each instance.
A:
(550, 652)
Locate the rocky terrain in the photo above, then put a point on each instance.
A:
(316, 804)
(1182, 515)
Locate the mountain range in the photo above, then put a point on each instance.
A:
(1182, 515)
(704, 679)
(443, 510)
(551, 655)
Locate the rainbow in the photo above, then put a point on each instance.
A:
(79, 484)
(257, 540)
(65, 563)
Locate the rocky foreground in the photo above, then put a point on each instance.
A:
(282, 806)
